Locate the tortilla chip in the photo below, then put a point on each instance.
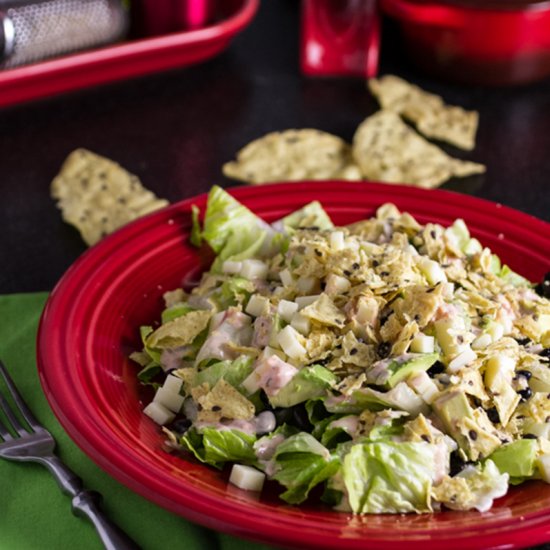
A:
(222, 402)
(324, 312)
(98, 196)
(427, 111)
(181, 331)
(293, 155)
(388, 150)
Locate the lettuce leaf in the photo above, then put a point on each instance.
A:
(517, 459)
(388, 477)
(233, 372)
(216, 447)
(232, 230)
(302, 463)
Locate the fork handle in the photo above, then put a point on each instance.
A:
(87, 504)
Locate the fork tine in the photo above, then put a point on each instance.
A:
(25, 411)
(4, 434)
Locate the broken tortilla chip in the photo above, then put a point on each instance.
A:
(432, 117)
(98, 196)
(293, 155)
(388, 150)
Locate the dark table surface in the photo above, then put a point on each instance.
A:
(175, 130)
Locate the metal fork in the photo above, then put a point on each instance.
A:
(36, 444)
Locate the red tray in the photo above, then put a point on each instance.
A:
(128, 59)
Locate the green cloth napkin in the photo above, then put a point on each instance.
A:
(34, 514)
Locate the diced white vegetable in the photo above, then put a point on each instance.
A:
(173, 383)
(422, 343)
(495, 330)
(232, 268)
(472, 247)
(251, 383)
(447, 290)
(446, 331)
(424, 386)
(540, 429)
(286, 310)
(337, 240)
(286, 277)
(279, 291)
(158, 413)
(306, 284)
(351, 244)
(257, 305)
(543, 322)
(432, 271)
(462, 359)
(301, 324)
(247, 478)
(304, 301)
(289, 340)
(254, 269)
(268, 351)
(498, 366)
(481, 342)
(169, 399)
(543, 466)
(367, 310)
(407, 400)
(336, 284)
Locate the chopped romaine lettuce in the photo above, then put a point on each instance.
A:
(313, 353)
(217, 446)
(388, 477)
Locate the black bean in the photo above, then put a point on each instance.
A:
(545, 353)
(476, 401)
(437, 368)
(383, 349)
(472, 435)
(529, 436)
(524, 373)
(543, 288)
(181, 425)
(493, 415)
(457, 464)
(523, 341)
(525, 394)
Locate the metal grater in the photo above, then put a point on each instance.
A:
(34, 30)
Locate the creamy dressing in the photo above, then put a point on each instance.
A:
(171, 358)
(274, 374)
(234, 328)
(348, 423)
(263, 423)
(263, 326)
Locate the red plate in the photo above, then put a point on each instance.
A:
(91, 323)
(133, 58)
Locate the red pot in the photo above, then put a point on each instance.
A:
(495, 42)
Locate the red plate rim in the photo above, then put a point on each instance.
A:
(76, 406)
